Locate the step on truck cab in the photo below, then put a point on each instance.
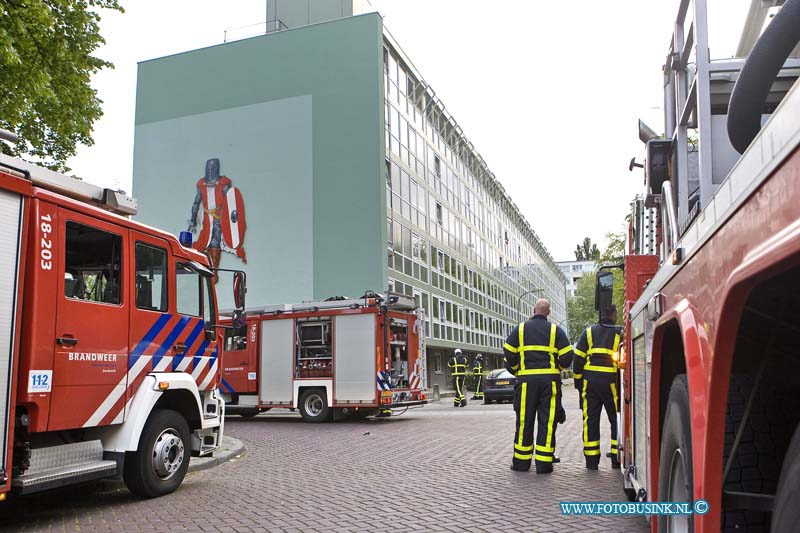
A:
(339, 357)
(109, 358)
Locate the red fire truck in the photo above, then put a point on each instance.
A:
(711, 363)
(108, 340)
(349, 357)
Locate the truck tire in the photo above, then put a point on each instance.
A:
(786, 513)
(159, 464)
(757, 464)
(314, 406)
(675, 476)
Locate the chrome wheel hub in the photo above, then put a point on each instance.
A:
(168, 453)
(678, 492)
(314, 405)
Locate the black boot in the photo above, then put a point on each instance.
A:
(544, 468)
(615, 463)
(556, 459)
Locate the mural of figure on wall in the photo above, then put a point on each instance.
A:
(218, 212)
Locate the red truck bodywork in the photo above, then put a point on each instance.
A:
(243, 368)
(704, 298)
(89, 358)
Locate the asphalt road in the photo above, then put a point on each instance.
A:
(432, 469)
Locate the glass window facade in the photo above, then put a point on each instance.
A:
(456, 241)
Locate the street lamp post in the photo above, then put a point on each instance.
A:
(519, 298)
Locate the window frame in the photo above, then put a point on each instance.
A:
(165, 280)
(201, 299)
(121, 261)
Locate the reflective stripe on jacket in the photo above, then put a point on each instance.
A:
(537, 350)
(458, 364)
(597, 350)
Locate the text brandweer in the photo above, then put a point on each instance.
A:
(78, 356)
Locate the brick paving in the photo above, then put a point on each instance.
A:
(432, 469)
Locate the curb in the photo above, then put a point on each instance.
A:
(233, 448)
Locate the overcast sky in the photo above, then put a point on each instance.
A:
(548, 92)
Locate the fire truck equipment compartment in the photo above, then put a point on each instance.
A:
(10, 214)
(354, 343)
(277, 339)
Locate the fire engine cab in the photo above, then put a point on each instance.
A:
(108, 340)
(339, 357)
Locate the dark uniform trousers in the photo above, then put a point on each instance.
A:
(596, 364)
(598, 394)
(561, 414)
(458, 385)
(478, 373)
(536, 403)
(458, 366)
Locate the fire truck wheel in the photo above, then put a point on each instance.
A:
(786, 513)
(160, 463)
(314, 406)
(675, 463)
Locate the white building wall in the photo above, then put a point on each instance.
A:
(574, 271)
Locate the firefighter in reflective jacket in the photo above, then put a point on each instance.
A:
(534, 351)
(477, 371)
(458, 368)
(595, 365)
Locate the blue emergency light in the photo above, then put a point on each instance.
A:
(185, 238)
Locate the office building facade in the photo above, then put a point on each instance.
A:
(349, 176)
(573, 271)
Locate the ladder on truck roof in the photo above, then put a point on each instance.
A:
(115, 201)
(392, 300)
(697, 91)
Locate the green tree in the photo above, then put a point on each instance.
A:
(46, 64)
(580, 308)
(615, 249)
(587, 251)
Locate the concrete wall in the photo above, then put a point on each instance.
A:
(296, 13)
(296, 119)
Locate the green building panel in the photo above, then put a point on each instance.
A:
(295, 120)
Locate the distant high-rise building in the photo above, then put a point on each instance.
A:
(574, 271)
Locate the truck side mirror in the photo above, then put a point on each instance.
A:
(603, 291)
(239, 289)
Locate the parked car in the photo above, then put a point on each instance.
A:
(499, 386)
